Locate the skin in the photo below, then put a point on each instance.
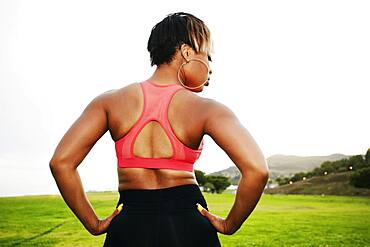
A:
(117, 111)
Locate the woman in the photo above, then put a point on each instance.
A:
(158, 127)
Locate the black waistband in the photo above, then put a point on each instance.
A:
(178, 196)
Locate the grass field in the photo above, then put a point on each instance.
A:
(278, 220)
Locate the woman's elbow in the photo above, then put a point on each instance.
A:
(261, 175)
(258, 168)
(52, 165)
(56, 165)
(259, 171)
(54, 168)
(265, 173)
(262, 169)
(265, 176)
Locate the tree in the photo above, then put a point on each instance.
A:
(281, 180)
(200, 177)
(367, 157)
(220, 183)
(209, 187)
(298, 176)
(357, 162)
(328, 167)
(360, 178)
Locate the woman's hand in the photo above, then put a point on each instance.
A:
(218, 222)
(102, 225)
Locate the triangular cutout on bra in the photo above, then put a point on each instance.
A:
(152, 141)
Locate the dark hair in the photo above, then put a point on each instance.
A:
(173, 31)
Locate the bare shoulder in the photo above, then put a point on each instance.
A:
(209, 110)
(112, 95)
(216, 106)
(207, 104)
(216, 113)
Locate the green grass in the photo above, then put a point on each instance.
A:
(278, 220)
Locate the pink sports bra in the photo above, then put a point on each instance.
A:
(156, 102)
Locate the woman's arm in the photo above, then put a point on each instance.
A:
(225, 129)
(70, 152)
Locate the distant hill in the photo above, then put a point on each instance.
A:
(331, 184)
(232, 173)
(283, 165)
(286, 165)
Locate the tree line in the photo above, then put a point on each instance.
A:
(211, 183)
(359, 164)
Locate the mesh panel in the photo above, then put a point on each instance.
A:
(152, 141)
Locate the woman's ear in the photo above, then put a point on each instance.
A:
(186, 51)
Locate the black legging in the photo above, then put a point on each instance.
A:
(161, 218)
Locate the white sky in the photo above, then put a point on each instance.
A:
(296, 73)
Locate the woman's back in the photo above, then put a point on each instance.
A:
(186, 116)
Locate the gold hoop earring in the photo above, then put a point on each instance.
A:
(192, 59)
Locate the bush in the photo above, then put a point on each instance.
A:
(361, 178)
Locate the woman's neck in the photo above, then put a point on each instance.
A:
(165, 74)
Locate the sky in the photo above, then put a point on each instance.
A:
(296, 74)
